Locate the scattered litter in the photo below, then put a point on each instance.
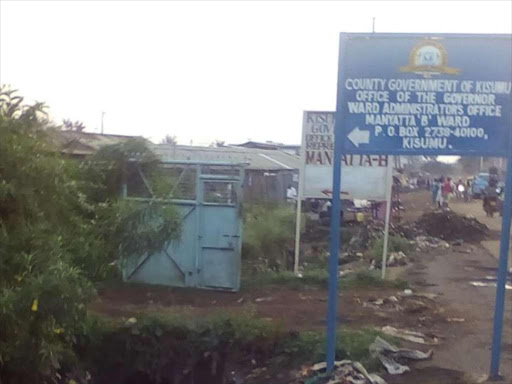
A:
(407, 292)
(393, 299)
(392, 366)
(346, 258)
(131, 321)
(260, 299)
(345, 371)
(388, 354)
(415, 337)
(415, 306)
(427, 242)
(493, 284)
(345, 272)
(455, 320)
(482, 379)
(396, 259)
(240, 300)
(430, 296)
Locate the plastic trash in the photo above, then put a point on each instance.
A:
(387, 353)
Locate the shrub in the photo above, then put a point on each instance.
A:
(395, 244)
(269, 232)
(62, 226)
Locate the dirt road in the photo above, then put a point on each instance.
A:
(449, 273)
(474, 209)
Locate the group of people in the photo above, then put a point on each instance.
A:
(443, 189)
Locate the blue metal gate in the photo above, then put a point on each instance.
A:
(208, 253)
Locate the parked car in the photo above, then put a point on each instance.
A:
(480, 182)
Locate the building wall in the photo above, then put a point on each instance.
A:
(268, 186)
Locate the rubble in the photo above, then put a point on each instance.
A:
(391, 357)
(450, 226)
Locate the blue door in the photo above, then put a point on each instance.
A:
(220, 235)
(208, 253)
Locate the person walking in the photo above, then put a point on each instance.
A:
(291, 194)
(435, 191)
(447, 191)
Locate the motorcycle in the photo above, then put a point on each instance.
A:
(461, 192)
(491, 205)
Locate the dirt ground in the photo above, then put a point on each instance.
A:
(462, 355)
(474, 208)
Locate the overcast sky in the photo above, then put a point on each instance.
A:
(202, 71)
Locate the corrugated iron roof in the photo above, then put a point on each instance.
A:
(86, 143)
(256, 159)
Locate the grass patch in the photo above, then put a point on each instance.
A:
(395, 244)
(309, 347)
(268, 232)
(159, 346)
(318, 277)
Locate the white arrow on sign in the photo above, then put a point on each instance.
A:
(359, 137)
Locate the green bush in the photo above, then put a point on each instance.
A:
(269, 232)
(62, 226)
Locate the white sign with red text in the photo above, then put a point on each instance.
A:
(362, 176)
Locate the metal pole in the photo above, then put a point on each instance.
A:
(373, 25)
(332, 298)
(499, 307)
(389, 192)
(301, 194)
(297, 234)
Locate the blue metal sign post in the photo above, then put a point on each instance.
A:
(423, 94)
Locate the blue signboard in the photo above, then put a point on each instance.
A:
(423, 94)
(432, 94)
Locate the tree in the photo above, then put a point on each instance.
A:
(169, 139)
(69, 125)
(470, 165)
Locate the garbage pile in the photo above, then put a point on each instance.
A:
(345, 371)
(393, 358)
(449, 226)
